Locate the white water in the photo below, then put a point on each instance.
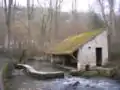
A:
(75, 83)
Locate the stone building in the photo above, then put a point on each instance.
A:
(88, 48)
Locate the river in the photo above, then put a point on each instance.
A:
(75, 83)
(24, 82)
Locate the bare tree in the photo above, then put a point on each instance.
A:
(112, 17)
(109, 23)
(49, 22)
(102, 7)
(74, 9)
(14, 10)
(74, 6)
(45, 23)
(57, 16)
(7, 10)
(30, 9)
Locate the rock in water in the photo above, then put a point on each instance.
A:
(76, 83)
(71, 85)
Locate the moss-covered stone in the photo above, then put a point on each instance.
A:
(90, 74)
(84, 73)
(102, 72)
(76, 73)
(109, 72)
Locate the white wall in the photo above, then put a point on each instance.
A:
(87, 55)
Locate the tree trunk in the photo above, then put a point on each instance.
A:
(7, 10)
(30, 8)
(9, 36)
(108, 26)
(57, 17)
(112, 18)
(109, 43)
(56, 20)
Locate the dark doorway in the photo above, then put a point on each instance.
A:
(71, 60)
(98, 56)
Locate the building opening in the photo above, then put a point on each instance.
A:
(74, 60)
(71, 61)
(98, 56)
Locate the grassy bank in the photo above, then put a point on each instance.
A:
(6, 73)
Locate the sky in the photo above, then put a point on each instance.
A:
(82, 5)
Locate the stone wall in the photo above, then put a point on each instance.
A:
(87, 54)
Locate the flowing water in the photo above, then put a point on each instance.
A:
(72, 83)
(23, 82)
(75, 83)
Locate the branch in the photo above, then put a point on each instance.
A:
(103, 11)
(9, 11)
(5, 10)
(23, 24)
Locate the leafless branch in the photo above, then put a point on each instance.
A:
(101, 3)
